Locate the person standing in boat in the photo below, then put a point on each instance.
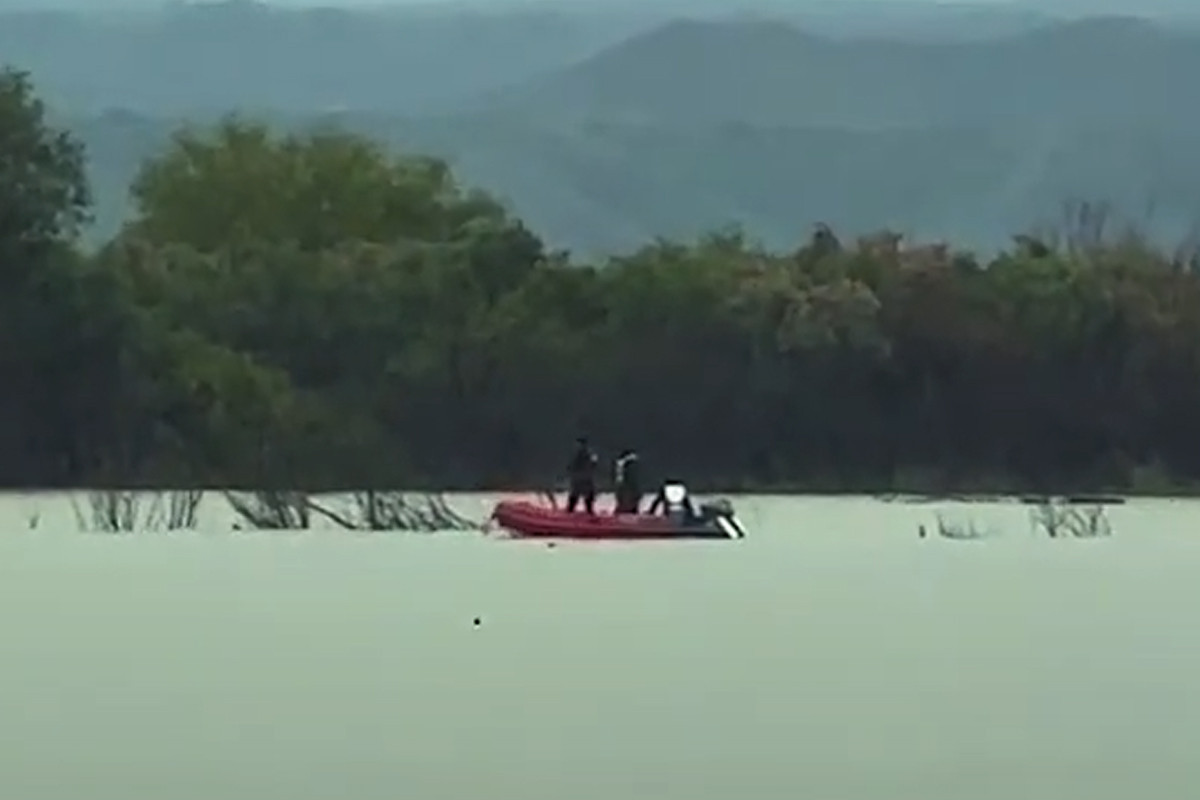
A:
(675, 502)
(581, 473)
(627, 484)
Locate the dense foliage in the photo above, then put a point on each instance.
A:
(312, 310)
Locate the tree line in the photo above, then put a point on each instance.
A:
(312, 311)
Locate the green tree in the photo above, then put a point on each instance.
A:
(369, 280)
(311, 310)
(60, 330)
(44, 195)
(240, 182)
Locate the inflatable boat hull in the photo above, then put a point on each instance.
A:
(527, 519)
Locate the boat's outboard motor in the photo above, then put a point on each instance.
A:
(720, 512)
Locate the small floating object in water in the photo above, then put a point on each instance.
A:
(477, 622)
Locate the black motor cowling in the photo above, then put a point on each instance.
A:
(720, 512)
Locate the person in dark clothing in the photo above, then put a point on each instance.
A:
(581, 472)
(627, 483)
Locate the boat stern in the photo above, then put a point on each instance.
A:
(720, 513)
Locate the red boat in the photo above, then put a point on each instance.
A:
(714, 520)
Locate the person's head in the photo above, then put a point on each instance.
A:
(627, 452)
(581, 441)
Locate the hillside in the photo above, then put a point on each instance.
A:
(757, 72)
(606, 128)
(194, 58)
(611, 186)
(210, 58)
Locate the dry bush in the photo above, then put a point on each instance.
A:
(176, 510)
(961, 530)
(396, 511)
(109, 511)
(273, 510)
(371, 511)
(1059, 519)
(128, 511)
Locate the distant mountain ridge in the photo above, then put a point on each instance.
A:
(610, 187)
(772, 73)
(208, 59)
(202, 57)
(608, 127)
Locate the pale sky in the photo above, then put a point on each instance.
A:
(1069, 7)
(91, 4)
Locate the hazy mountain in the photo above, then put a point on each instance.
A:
(1091, 72)
(407, 59)
(213, 58)
(607, 127)
(611, 186)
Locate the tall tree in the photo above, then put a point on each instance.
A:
(55, 340)
(238, 181)
(44, 194)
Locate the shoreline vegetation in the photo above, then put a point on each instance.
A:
(313, 312)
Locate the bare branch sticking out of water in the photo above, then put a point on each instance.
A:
(175, 510)
(108, 511)
(1088, 522)
(961, 530)
(276, 511)
(1059, 519)
(395, 511)
(373, 511)
(125, 511)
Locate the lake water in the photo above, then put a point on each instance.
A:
(832, 655)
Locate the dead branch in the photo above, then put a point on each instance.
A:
(273, 510)
(373, 511)
(1057, 518)
(961, 531)
(396, 511)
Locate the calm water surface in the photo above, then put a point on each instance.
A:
(832, 655)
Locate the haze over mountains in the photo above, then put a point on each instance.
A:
(606, 125)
